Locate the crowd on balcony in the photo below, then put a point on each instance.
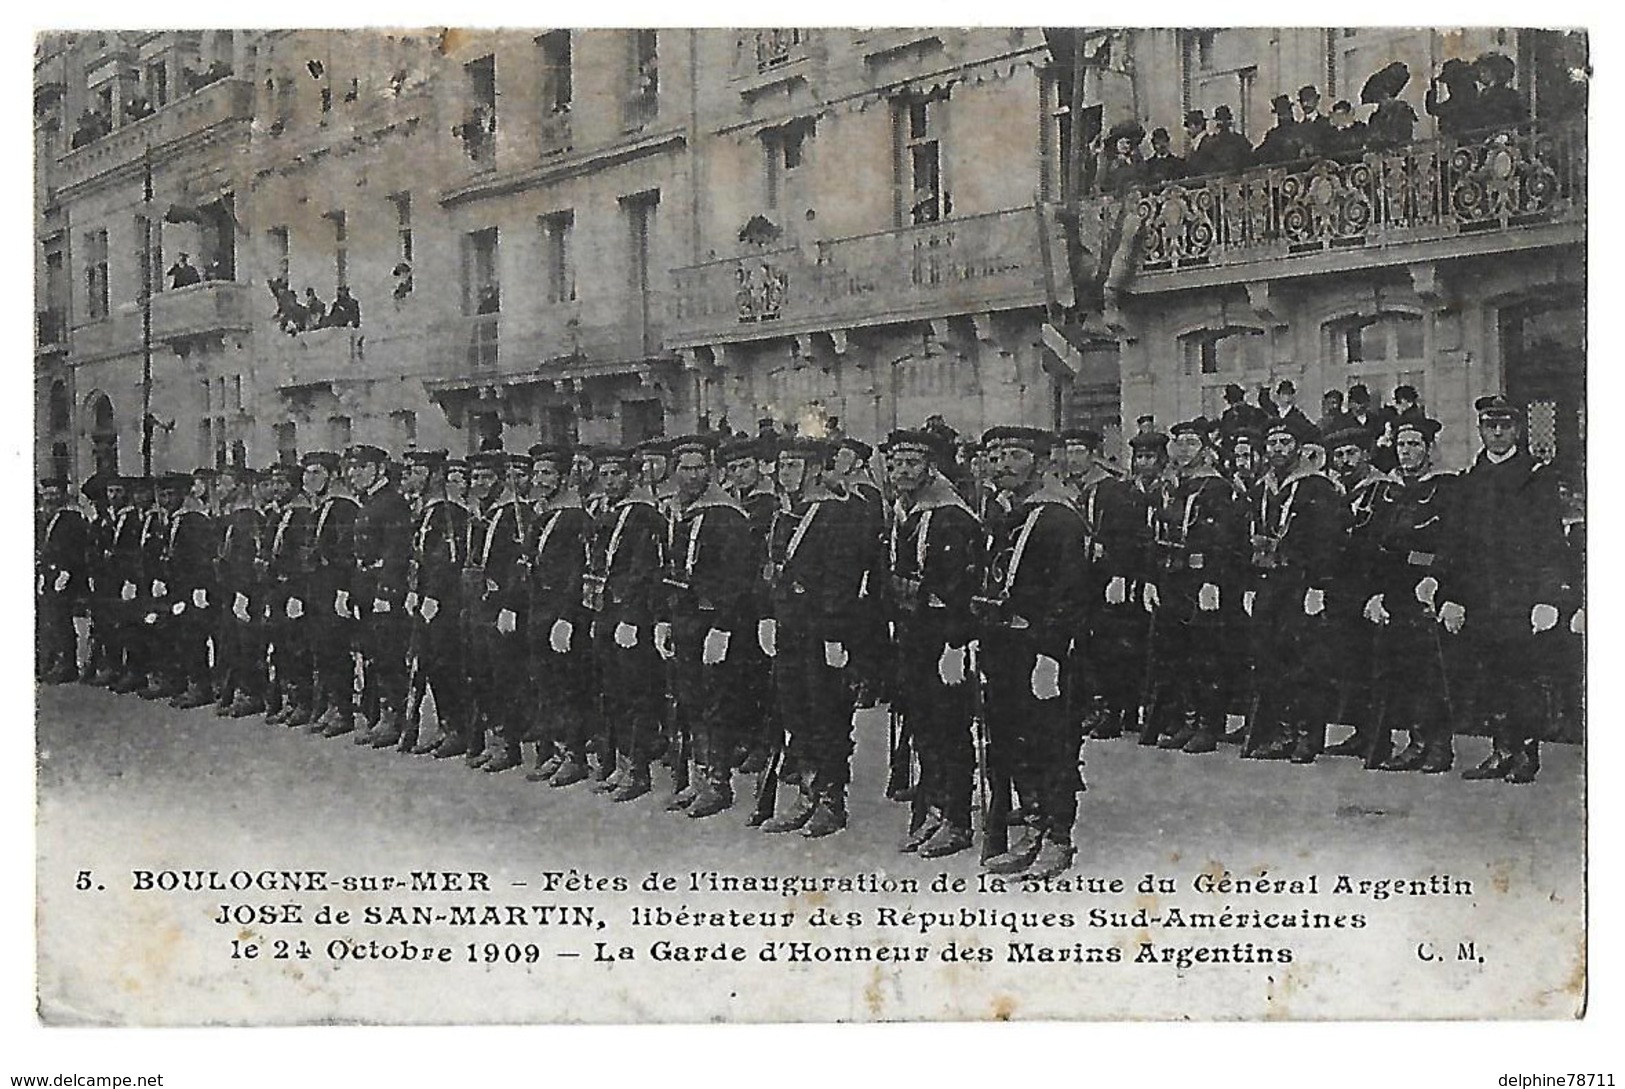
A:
(1466, 98)
(295, 315)
(92, 126)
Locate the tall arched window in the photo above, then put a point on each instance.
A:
(103, 435)
(60, 411)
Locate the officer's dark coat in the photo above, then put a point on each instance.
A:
(1508, 554)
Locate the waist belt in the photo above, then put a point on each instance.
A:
(1176, 561)
(1419, 559)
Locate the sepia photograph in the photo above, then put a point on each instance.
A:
(648, 525)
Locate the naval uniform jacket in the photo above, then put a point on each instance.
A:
(1201, 532)
(64, 539)
(815, 567)
(439, 552)
(1508, 552)
(290, 554)
(496, 564)
(189, 554)
(124, 555)
(383, 549)
(1035, 585)
(625, 585)
(1298, 530)
(559, 550)
(235, 564)
(711, 565)
(935, 550)
(333, 544)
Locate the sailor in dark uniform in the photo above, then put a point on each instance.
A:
(289, 564)
(1411, 525)
(1297, 529)
(383, 555)
(239, 657)
(1033, 594)
(124, 584)
(558, 551)
(712, 572)
(935, 552)
(1200, 538)
(331, 608)
(625, 591)
(494, 581)
(743, 460)
(63, 538)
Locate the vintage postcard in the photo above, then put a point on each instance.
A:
(810, 524)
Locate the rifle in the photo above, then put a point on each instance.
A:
(1148, 684)
(993, 779)
(767, 787)
(899, 778)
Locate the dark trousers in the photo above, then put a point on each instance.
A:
(815, 704)
(1293, 661)
(1409, 688)
(1117, 653)
(500, 673)
(331, 643)
(711, 699)
(632, 681)
(188, 635)
(383, 641)
(1189, 659)
(441, 652)
(938, 719)
(59, 644)
(1036, 740)
(1506, 681)
(562, 683)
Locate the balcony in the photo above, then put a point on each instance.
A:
(321, 357)
(958, 266)
(1437, 199)
(201, 310)
(555, 343)
(219, 103)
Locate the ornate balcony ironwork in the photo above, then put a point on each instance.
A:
(957, 266)
(1435, 190)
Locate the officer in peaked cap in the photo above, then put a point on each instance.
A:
(935, 549)
(1503, 595)
(560, 627)
(815, 571)
(1028, 607)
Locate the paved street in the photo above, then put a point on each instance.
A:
(125, 784)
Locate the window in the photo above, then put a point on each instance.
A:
(643, 95)
(558, 277)
(1220, 357)
(287, 443)
(481, 291)
(156, 82)
(403, 225)
(641, 420)
(96, 289)
(149, 253)
(405, 425)
(1382, 352)
(1205, 40)
(640, 214)
(60, 413)
(104, 101)
(478, 130)
(922, 198)
(783, 149)
(277, 240)
(556, 75)
(218, 239)
(341, 249)
(338, 432)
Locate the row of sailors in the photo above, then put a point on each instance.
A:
(722, 605)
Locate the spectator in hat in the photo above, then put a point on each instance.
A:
(1286, 407)
(1500, 106)
(1280, 144)
(183, 273)
(1332, 416)
(1314, 128)
(1195, 132)
(1345, 137)
(1393, 123)
(1163, 166)
(1457, 110)
(1121, 164)
(1223, 151)
(1238, 414)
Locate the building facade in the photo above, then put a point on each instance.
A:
(603, 235)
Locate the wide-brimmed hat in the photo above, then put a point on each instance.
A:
(1386, 83)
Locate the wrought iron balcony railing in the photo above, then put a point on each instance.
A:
(1438, 189)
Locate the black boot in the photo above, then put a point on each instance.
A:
(1525, 763)
(1411, 758)
(1499, 762)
